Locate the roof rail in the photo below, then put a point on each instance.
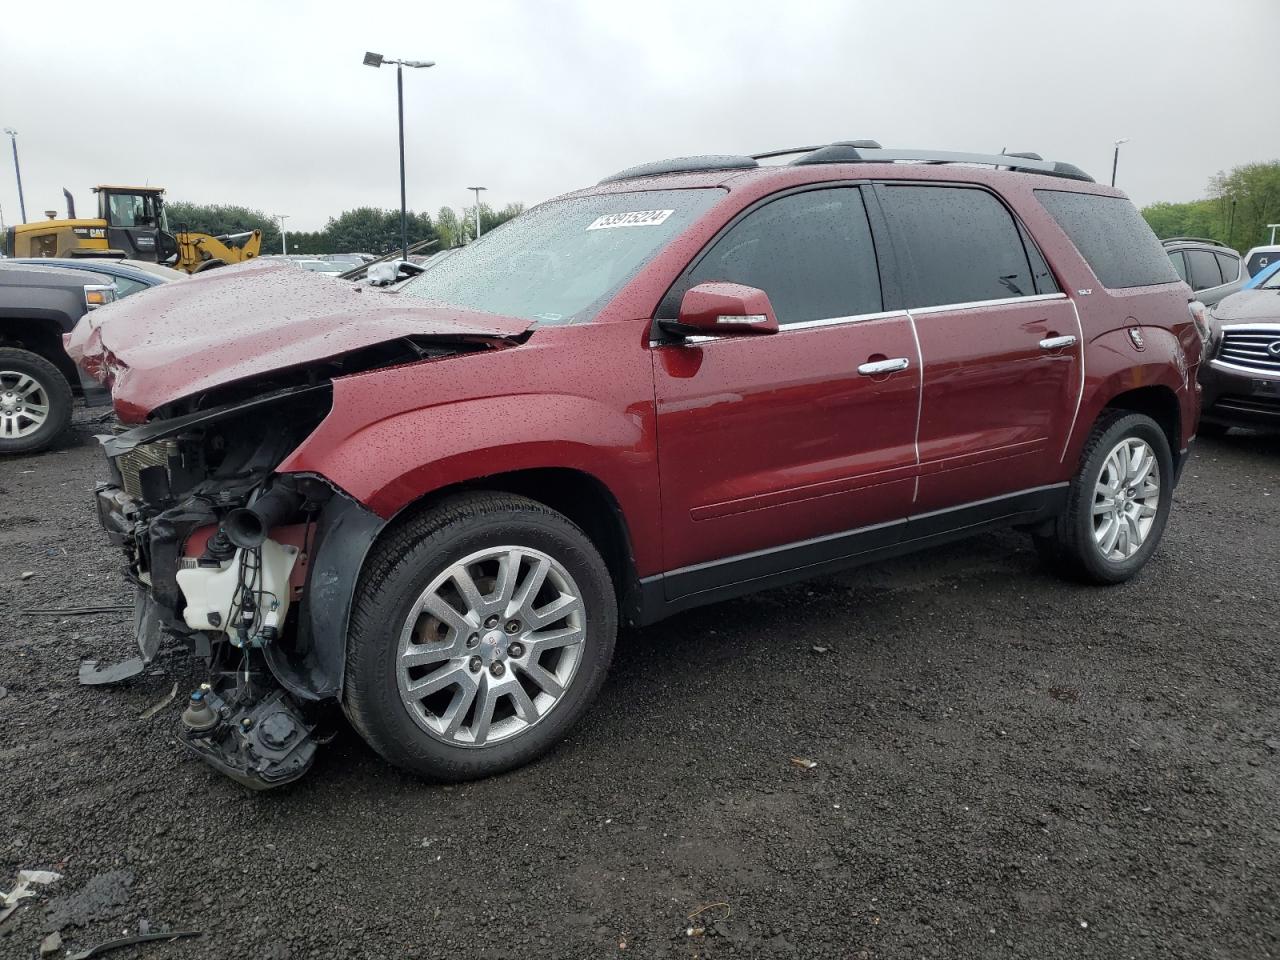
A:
(717, 161)
(851, 151)
(768, 155)
(1212, 243)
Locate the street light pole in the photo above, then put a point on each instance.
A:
(1115, 159)
(17, 171)
(377, 60)
(284, 246)
(477, 191)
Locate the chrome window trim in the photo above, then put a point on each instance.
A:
(786, 328)
(974, 304)
(837, 321)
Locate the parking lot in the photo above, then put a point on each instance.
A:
(1005, 766)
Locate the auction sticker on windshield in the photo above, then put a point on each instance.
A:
(636, 218)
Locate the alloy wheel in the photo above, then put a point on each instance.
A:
(24, 405)
(491, 646)
(1126, 499)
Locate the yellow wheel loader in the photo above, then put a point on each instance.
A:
(131, 223)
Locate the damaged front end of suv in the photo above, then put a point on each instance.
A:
(250, 568)
(223, 551)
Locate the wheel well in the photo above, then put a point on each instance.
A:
(41, 338)
(584, 500)
(1158, 403)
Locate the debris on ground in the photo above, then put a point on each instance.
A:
(76, 611)
(700, 929)
(97, 899)
(92, 676)
(28, 574)
(804, 763)
(26, 879)
(109, 945)
(821, 649)
(51, 944)
(155, 708)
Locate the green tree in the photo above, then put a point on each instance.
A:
(370, 230)
(448, 228)
(1255, 189)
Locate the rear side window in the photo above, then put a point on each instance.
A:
(962, 245)
(1203, 267)
(1112, 237)
(811, 252)
(1230, 267)
(1180, 265)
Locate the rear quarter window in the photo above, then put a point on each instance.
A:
(1112, 237)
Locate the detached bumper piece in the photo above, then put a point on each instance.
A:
(258, 741)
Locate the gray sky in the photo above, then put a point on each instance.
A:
(268, 105)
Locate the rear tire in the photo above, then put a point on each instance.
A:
(35, 401)
(1117, 504)
(482, 631)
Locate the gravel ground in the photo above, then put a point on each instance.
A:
(1007, 766)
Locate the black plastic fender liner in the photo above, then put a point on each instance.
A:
(310, 663)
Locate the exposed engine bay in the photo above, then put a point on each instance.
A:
(249, 570)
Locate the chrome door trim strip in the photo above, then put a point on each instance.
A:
(915, 441)
(1079, 393)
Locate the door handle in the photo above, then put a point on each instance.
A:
(1057, 343)
(883, 366)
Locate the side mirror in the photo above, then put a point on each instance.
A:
(723, 310)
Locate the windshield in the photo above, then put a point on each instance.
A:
(561, 261)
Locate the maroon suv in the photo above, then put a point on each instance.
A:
(696, 379)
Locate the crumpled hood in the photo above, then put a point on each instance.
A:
(1249, 306)
(233, 323)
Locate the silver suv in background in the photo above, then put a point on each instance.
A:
(1211, 268)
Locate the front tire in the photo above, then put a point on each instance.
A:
(35, 401)
(1117, 504)
(482, 631)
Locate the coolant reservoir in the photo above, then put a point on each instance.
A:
(212, 590)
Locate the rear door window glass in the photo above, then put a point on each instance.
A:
(1204, 270)
(962, 245)
(811, 252)
(1230, 267)
(1112, 237)
(1180, 265)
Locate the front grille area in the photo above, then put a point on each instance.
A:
(1251, 347)
(145, 455)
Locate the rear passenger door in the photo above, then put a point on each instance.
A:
(1001, 345)
(796, 449)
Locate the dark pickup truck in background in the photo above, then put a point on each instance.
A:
(37, 379)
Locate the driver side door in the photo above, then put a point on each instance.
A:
(793, 451)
